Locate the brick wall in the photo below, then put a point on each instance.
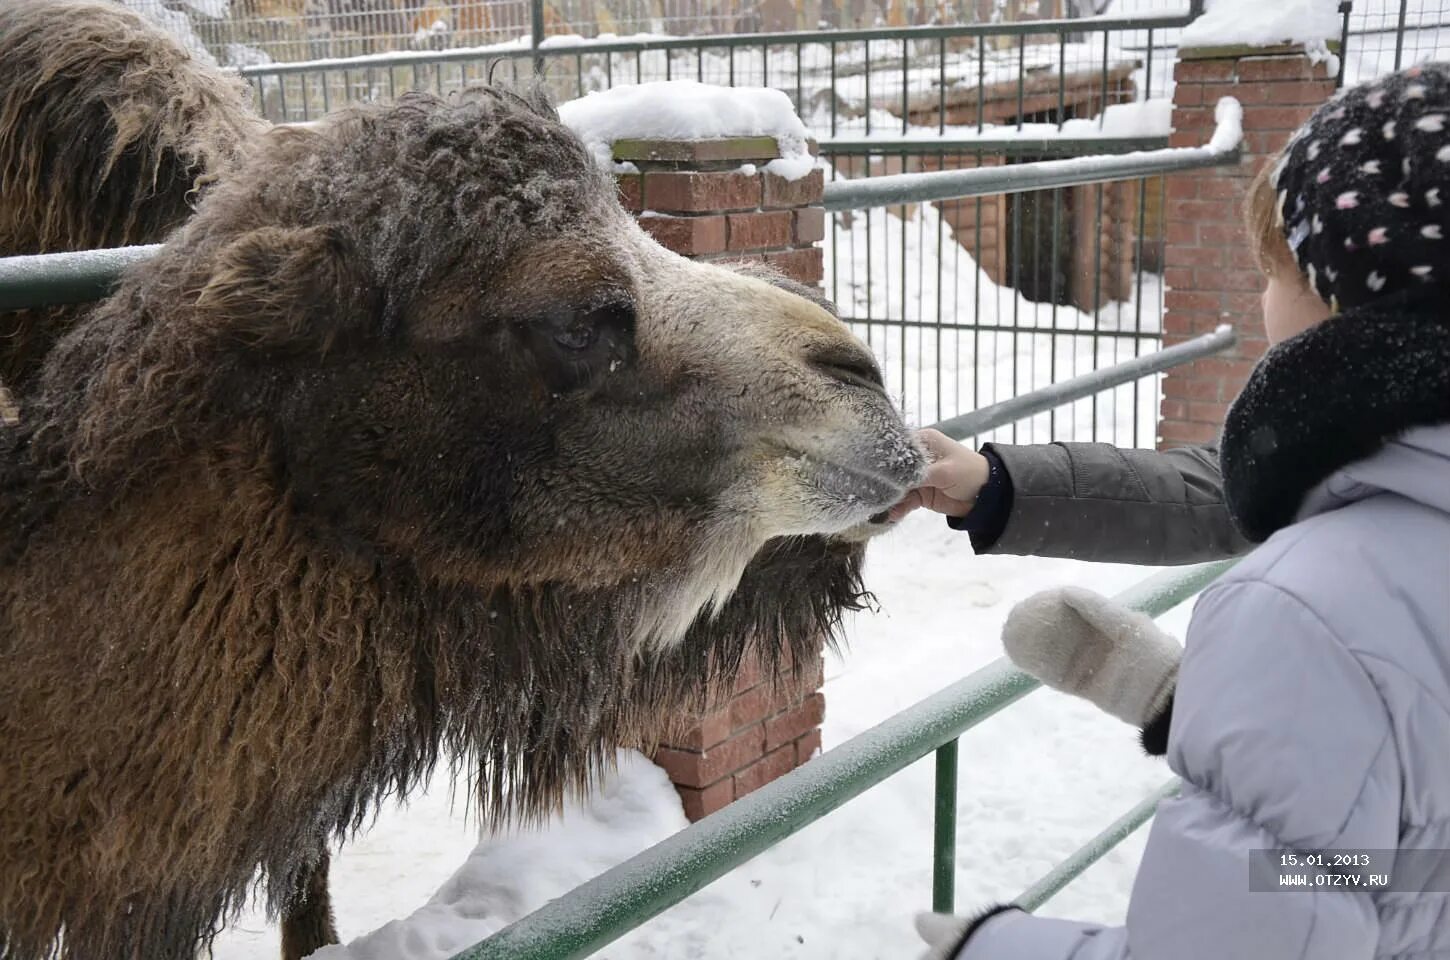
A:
(1210, 274)
(714, 200)
(762, 728)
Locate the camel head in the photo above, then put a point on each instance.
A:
(462, 352)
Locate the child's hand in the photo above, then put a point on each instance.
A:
(955, 477)
(1084, 644)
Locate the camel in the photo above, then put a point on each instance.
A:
(408, 446)
(109, 131)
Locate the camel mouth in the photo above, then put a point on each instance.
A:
(850, 491)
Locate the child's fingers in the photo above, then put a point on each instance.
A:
(941, 475)
(938, 445)
(909, 503)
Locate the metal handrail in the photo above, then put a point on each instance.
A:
(1054, 395)
(904, 188)
(522, 48)
(1027, 145)
(624, 897)
(1089, 853)
(52, 279)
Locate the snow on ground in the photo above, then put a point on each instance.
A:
(1037, 781)
(689, 110)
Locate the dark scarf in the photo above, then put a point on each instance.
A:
(1332, 396)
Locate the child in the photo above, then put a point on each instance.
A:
(1312, 710)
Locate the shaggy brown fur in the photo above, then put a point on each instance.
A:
(108, 128)
(385, 458)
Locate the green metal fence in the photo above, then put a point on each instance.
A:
(625, 897)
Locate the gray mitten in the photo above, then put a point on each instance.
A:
(1082, 643)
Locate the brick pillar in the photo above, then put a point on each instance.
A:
(714, 200)
(762, 728)
(1211, 276)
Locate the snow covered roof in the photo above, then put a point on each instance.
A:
(688, 110)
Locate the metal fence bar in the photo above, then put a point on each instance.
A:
(626, 896)
(1400, 33)
(1018, 178)
(1088, 384)
(944, 831)
(536, 33)
(48, 279)
(1094, 850)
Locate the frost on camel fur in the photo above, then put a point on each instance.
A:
(409, 445)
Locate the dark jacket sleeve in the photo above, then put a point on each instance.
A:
(1094, 501)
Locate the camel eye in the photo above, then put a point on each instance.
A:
(577, 333)
(615, 316)
(578, 346)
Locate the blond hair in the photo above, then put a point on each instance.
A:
(1265, 223)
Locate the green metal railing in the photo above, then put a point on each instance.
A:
(926, 63)
(53, 279)
(595, 914)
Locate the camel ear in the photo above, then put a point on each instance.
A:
(283, 288)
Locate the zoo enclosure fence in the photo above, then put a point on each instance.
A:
(630, 894)
(261, 31)
(242, 31)
(966, 300)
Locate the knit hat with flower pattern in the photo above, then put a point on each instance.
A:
(1364, 192)
(1364, 188)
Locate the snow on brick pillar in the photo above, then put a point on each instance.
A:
(1210, 274)
(716, 200)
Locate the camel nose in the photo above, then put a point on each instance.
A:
(848, 364)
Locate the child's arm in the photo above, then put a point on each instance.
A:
(1082, 501)
(1283, 741)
